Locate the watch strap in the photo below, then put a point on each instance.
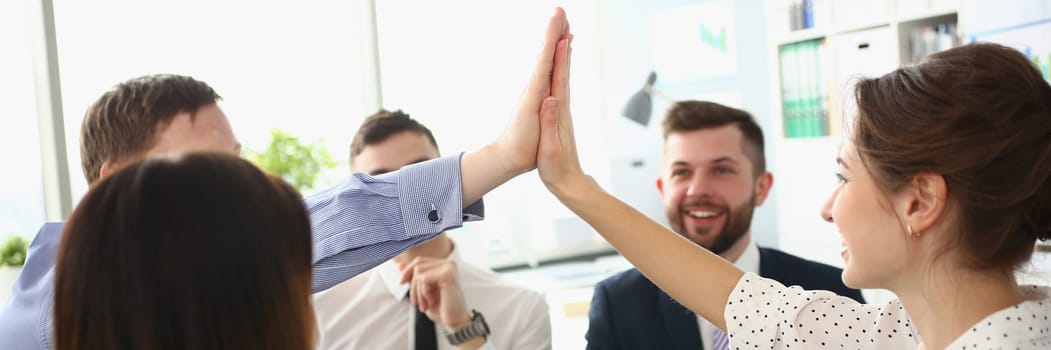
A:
(477, 328)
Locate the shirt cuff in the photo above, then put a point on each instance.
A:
(431, 196)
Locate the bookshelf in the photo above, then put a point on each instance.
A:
(904, 31)
(810, 71)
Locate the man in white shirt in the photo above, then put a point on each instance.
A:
(373, 310)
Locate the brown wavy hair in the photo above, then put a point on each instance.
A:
(203, 251)
(979, 115)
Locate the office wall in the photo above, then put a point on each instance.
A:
(627, 57)
(977, 16)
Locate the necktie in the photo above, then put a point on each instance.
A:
(425, 337)
(720, 341)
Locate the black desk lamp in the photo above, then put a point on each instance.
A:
(640, 105)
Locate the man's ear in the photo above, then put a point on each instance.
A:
(108, 167)
(660, 186)
(924, 201)
(762, 187)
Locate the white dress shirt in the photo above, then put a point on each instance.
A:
(370, 311)
(747, 262)
(762, 313)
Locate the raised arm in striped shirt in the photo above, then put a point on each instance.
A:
(364, 220)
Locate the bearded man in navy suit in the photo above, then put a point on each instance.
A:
(713, 175)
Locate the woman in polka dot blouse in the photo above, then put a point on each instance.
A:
(945, 187)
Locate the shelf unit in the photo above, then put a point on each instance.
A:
(891, 29)
(802, 161)
(931, 16)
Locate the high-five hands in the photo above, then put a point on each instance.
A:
(519, 142)
(514, 152)
(557, 159)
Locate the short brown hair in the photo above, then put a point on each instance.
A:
(980, 116)
(697, 115)
(125, 120)
(203, 251)
(383, 124)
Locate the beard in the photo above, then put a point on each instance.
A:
(738, 222)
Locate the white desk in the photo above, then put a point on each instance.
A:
(568, 288)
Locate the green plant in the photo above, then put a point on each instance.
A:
(292, 160)
(13, 252)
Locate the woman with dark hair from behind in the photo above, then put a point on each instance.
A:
(201, 251)
(945, 188)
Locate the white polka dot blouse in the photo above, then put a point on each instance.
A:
(764, 314)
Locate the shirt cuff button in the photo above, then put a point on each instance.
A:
(433, 215)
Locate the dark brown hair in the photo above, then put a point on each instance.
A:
(979, 115)
(697, 115)
(124, 121)
(198, 252)
(383, 124)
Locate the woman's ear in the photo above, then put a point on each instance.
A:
(925, 200)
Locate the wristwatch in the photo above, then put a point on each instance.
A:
(476, 328)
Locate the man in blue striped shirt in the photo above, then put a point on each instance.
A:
(358, 224)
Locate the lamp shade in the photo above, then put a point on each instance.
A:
(640, 106)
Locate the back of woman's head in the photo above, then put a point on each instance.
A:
(979, 115)
(202, 251)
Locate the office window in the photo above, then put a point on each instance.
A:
(292, 65)
(21, 188)
(460, 68)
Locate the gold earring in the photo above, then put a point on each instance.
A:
(908, 231)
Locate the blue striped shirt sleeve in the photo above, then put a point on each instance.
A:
(364, 220)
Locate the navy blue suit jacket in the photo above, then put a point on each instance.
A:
(630, 312)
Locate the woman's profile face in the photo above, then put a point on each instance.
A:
(873, 239)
